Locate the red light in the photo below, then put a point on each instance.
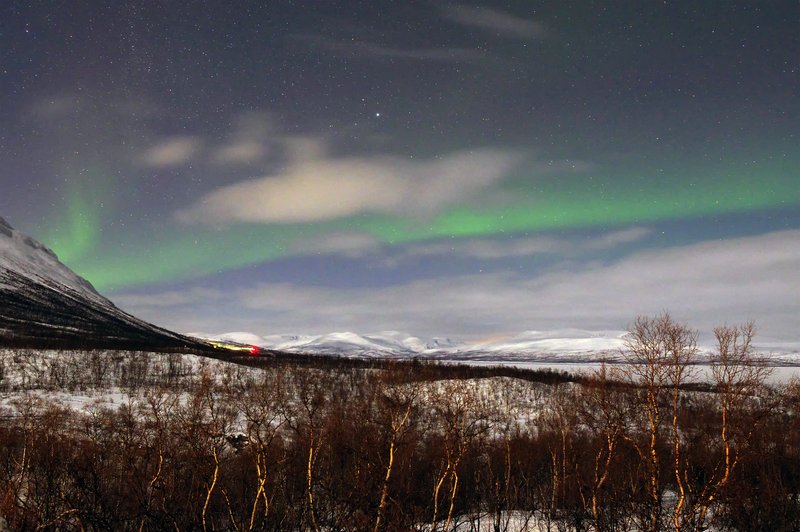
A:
(253, 350)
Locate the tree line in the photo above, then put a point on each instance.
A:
(285, 447)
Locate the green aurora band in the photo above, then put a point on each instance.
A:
(76, 233)
(183, 253)
(78, 230)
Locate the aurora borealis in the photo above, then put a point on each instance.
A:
(438, 168)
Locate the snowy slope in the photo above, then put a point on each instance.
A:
(44, 303)
(26, 256)
(557, 341)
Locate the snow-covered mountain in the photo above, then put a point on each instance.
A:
(389, 343)
(530, 347)
(45, 304)
(556, 341)
(24, 255)
(572, 343)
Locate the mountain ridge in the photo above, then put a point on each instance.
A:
(398, 344)
(44, 304)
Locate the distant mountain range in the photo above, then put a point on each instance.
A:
(571, 344)
(556, 346)
(45, 304)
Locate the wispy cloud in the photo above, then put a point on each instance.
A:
(56, 107)
(495, 21)
(79, 108)
(350, 244)
(315, 187)
(485, 249)
(498, 22)
(172, 151)
(241, 152)
(172, 298)
(516, 246)
(616, 238)
(442, 54)
(249, 141)
(448, 54)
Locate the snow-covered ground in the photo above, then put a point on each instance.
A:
(85, 381)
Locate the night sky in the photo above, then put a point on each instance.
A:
(443, 169)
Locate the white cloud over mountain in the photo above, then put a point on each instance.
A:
(693, 282)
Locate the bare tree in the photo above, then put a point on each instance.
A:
(458, 415)
(260, 405)
(397, 401)
(306, 408)
(658, 354)
(605, 413)
(155, 410)
(737, 376)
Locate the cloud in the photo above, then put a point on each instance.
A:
(249, 142)
(77, 108)
(496, 21)
(315, 187)
(486, 249)
(174, 298)
(346, 244)
(242, 152)
(616, 238)
(705, 285)
(172, 151)
(516, 246)
(56, 107)
(443, 54)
